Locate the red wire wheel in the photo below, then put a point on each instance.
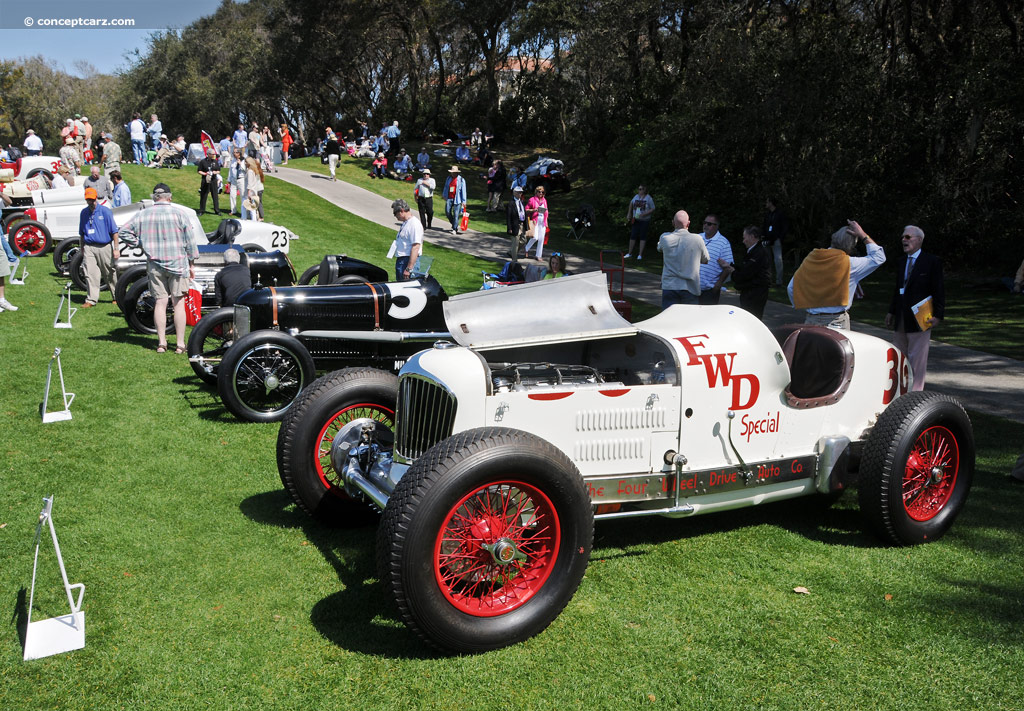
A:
(343, 422)
(930, 476)
(916, 468)
(29, 236)
(335, 405)
(485, 539)
(496, 548)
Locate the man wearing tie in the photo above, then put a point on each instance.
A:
(515, 220)
(919, 276)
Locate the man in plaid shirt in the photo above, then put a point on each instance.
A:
(169, 242)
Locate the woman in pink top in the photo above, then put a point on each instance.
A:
(537, 214)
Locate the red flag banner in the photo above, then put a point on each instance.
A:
(208, 147)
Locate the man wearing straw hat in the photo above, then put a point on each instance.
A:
(454, 197)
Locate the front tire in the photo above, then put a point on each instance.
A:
(485, 539)
(917, 468)
(29, 236)
(64, 252)
(334, 405)
(262, 374)
(210, 339)
(127, 280)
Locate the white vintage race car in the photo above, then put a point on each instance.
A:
(29, 166)
(492, 457)
(38, 227)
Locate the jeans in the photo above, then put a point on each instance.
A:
(671, 297)
(401, 264)
(139, 150)
(11, 256)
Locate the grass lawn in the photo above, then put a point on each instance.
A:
(206, 588)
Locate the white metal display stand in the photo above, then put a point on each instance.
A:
(15, 280)
(64, 297)
(57, 634)
(66, 397)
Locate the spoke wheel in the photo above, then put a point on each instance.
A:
(345, 425)
(335, 405)
(485, 539)
(930, 476)
(209, 341)
(64, 252)
(496, 548)
(29, 236)
(262, 374)
(916, 469)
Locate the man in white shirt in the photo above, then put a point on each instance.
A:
(33, 143)
(711, 275)
(408, 241)
(684, 253)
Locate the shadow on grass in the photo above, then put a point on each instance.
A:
(126, 335)
(358, 616)
(19, 616)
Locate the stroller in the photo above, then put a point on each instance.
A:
(580, 221)
(511, 273)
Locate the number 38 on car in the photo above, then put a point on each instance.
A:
(492, 456)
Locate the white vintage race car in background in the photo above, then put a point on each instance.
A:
(34, 229)
(30, 166)
(492, 457)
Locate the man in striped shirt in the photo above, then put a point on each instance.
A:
(711, 275)
(169, 241)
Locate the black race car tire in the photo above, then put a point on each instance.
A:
(10, 219)
(310, 276)
(39, 171)
(337, 402)
(211, 337)
(245, 373)
(76, 272)
(65, 250)
(527, 496)
(138, 308)
(127, 279)
(917, 468)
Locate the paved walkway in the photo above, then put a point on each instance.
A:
(987, 383)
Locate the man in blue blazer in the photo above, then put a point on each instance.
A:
(919, 275)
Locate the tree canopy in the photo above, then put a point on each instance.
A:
(904, 110)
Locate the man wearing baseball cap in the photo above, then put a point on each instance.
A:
(169, 241)
(98, 231)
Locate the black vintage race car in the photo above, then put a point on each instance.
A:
(270, 268)
(215, 332)
(285, 335)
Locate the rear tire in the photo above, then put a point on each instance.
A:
(485, 539)
(11, 219)
(351, 279)
(40, 171)
(76, 272)
(310, 276)
(917, 468)
(262, 374)
(333, 405)
(211, 338)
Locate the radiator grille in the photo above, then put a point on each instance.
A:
(425, 416)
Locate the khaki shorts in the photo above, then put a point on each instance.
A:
(164, 284)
